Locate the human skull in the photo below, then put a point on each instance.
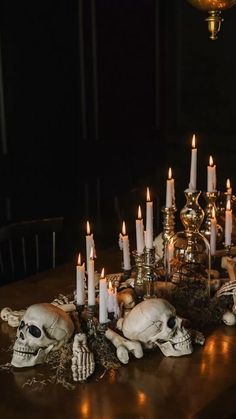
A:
(43, 328)
(154, 322)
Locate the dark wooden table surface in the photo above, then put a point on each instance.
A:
(201, 385)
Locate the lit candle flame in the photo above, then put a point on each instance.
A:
(92, 253)
(148, 195)
(170, 173)
(123, 229)
(211, 163)
(213, 212)
(228, 184)
(79, 260)
(88, 228)
(194, 141)
(228, 205)
(110, 286)
(102, 274)
(139, 213)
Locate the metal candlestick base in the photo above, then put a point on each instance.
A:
(139, 279)
(188, 250)
(91, 325)
(228, 250)
(168, 224)
(211, 198)
(79, 309)
(168, 231)
(149, 276)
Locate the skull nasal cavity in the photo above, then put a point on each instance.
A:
(22, 336)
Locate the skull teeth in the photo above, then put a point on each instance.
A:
(22, 350)
(25, 353)
(184, 343)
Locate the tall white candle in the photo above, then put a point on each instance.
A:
(80, 275)
(213, 233)
(110, 305)
(103, 299)
(89, 244)
(125, 245)
(170, 192)
(228, 223)
(139, 232)
(193, 169)
(116, 305)
(173, 191)
(91, 282)
(149, 222)
(211, 176)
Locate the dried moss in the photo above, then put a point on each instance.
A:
(191, 302)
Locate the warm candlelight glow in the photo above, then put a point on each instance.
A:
(211, 163)
(228, 184)
(102, 274)
(85, 409)
(123, 229)
(142, 398)
(148, 195)
(92, 253)
(194, 141)
(110, 286)
(228, 205)
(139, 213)
(88, 228)
(169, 173)
(213, 214)
(79, 260)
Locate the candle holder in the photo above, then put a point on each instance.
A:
(228, 250)
(188, 251)
(102, 327)
(210, 198)
(168, 229)
(139, 278)
(149, 274)
(79, 309)
(91, 324)
(168, 223)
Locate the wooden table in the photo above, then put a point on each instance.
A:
(201, 385)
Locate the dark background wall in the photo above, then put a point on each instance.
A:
(101, 97)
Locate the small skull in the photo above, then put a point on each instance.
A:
(154, 323)
(126, 300)
(44, 327)
(5, 312)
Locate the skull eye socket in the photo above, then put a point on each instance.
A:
(34, 331)
(21, 325)
(171, 322)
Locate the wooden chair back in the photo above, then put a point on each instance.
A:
(28, 247)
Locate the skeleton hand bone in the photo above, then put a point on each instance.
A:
(124, 346)
(83, 364)
(227, 289)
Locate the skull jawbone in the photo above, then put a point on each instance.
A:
(169, 349)
(22, 360)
